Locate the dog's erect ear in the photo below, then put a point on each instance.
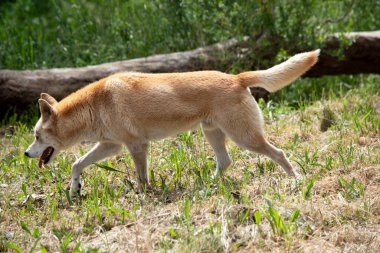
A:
(48, 98)
(47, 110)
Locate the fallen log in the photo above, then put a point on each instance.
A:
(361, 55)
(21, 89)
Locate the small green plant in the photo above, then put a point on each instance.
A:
(307, 160)
(307, 193)
(64, 239)
(361, 122)
(13, 246)
(350, 190)
(187, 138)
(279, 226)
(173, 233)
(178, 158)
(243, 217)
(346, 154)
(186, 211)
(330, 163)
(257, 216)
(35, 234)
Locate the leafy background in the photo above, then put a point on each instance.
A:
(44, 34)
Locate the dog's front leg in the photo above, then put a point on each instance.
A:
(100, 151)
(138, 152)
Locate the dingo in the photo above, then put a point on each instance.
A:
(135, 108)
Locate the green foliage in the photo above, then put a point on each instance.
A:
(27, 118)
(186, 211)
(45, 34)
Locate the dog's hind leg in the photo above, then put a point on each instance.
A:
(100, 151)
(244, 125)
(138, 152)
(217, 139)
(275, 154)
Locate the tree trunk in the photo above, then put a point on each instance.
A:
(20, 89)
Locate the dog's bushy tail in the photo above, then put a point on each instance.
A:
(280, 75)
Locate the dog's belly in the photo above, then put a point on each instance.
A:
(165, 129)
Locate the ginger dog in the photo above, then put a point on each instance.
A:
(135, 108)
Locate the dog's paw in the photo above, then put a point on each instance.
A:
(144, 188)
(75, 191)
(218, 174)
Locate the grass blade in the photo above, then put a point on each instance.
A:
(14, 247)
(106, 167)
(25, 227)
(257, 216)
(295, 215)
(307, 193)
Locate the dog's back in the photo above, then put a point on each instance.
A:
(165, 104)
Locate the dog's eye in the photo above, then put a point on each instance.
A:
(37, 137)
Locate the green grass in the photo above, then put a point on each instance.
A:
(45, 34)
(255, 206)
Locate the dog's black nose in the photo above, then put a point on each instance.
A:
(26, 153)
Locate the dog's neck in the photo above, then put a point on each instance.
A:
(76, 121)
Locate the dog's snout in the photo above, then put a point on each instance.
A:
(26, 154)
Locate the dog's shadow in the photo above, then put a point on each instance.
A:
(167, 195)
(145, 197)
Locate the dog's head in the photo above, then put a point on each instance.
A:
(46, 144)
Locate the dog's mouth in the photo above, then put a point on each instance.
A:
(45, 157)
